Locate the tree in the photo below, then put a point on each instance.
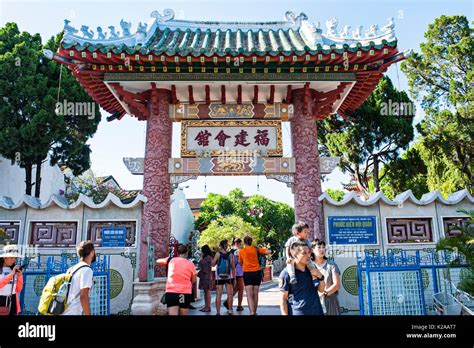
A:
(228, 227)
(30, 128)
(372, 136)
(336, 195)
(405, 173)
(273, 219)
(441, 77)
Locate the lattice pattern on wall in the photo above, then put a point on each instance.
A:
(405, 230)
(94, 231)
(12, 229)
(39, 270)
(450, 224)
(53, 234)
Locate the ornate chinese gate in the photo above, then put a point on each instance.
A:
(231, 84)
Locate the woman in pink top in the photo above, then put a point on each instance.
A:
(179, 283)
(11, 279)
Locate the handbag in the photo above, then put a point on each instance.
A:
(5, 310)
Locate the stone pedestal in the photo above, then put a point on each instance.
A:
(307, 185)
(147, 297)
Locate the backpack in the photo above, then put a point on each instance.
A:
(224, 266)
(53, 299)
(262, 260)
(236, 258)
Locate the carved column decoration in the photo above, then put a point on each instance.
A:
(307, 175)
(156, 181)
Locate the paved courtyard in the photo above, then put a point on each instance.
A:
(268, 303)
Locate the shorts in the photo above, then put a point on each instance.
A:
(181, 300)
(224, 281)
(253, 278)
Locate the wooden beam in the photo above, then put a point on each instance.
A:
(223, 94)
(174, 99)
(288, 94)
(137, 107)
(239, 94)
(271, 100)
(191, 94)
(255, 94)
(208, 95)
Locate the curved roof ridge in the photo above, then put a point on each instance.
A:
(426, 199)
(304, 32)
(61, 202)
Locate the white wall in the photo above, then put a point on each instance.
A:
(346, 256)
(12, 180)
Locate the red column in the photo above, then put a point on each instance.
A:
(156, 181)
(307, 185)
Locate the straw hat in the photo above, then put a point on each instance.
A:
(10, 251)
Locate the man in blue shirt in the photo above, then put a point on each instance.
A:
(302, 297)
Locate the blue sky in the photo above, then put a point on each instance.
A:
(126, 138)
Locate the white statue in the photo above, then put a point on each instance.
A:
(86, 32)
(68, 28)
(142, 28)
(332, 27)
(113, 33)
(372, 31)
(101, 34)
(389, 26)
(357, 34)
(345, 31)
(125, 27)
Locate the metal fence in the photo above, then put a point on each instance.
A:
(40, 269)
(404, 283)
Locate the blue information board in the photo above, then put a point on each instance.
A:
(352, 230)
(113, 237)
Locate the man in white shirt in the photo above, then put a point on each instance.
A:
(81, 281)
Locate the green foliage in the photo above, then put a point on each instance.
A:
(462, 243)
(273, 219)
(440, 77)
(447, 148)
(4, 237)
(30, 129)
(373, 135)
(228, 227)
(336, 195)
(406, 173)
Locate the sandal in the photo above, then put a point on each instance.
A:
(204, 310)
(240, 309)
(230, 313)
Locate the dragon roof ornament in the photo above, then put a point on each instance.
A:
(310, 33)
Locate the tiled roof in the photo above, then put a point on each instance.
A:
(166, 35)
(407, 196)
(195, 203)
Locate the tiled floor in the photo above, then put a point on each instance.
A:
(268, 302)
